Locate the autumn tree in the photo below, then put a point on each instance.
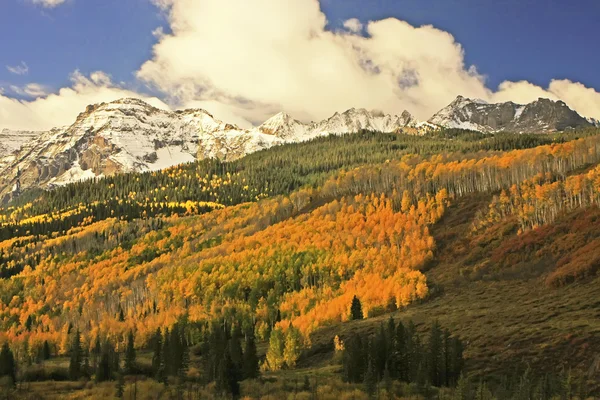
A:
(275, 358)
(293, 346)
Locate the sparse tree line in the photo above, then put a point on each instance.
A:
(539, 200)
(398, 352)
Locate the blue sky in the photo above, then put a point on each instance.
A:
(228, 55)
(536, 40)
(109, 35)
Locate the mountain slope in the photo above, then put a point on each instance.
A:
(129, 135)
(415, 237)
(541, 116)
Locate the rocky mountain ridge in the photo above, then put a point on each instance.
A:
(540, 116)
(129, 135)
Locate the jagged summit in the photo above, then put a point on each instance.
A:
(540, 116)
(284, 126)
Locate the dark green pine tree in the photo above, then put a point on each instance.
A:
(228, 377)
(130, 362)
(156, 354)
(380, 351)
(445, 361)
(235, 348)
(399, 368)
(435, 356)
(413, 353)
(250, 363)
(76, 360)
(370, 379)
(105, 364)
(356, 309)
(455, 361)
(121, 314)
(163, 370)
(46, 351)
(28, 323)
(96, 352)
(353, 364)
(8, 366)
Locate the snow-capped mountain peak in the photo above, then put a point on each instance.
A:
(542, 115)
(283, 126)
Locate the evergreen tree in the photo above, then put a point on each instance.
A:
(435, 355)
(46, 351)
(250, 364)
(370, 380)
(455, 361)
(96, 352)
(400, 358)
(163, 369)
(228, 377)
(121, 314)
(8, 366)
(235, 348)
(356, 309)
(130, 364)
(28, 323)
(105, 364)
(380, 351)
(353, 364)
(157, 353)
(86, 370)
(76, 360)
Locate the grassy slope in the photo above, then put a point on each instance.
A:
(505, 313)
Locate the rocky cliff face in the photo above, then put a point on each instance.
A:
(541, 116)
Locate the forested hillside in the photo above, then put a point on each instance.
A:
(292, 261)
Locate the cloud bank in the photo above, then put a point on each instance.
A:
(246, 60)
(60, 109)
(261, 56)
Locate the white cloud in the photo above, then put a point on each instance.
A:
(30, 90)
(268, 55)
(59, 109)
(21, 69)
(48, 3)
(353, 25)
(246, 60)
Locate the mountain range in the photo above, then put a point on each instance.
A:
(129, 135)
